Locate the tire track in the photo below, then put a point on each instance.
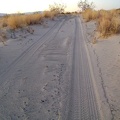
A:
(48, 33)
(47, 37)
(100, 74)
(40, 101)
(82, 104)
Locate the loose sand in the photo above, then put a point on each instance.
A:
(105, 56)
(20, 100)
(35, 71)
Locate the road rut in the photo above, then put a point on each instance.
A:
(51, 79)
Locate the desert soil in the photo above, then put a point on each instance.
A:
(55, 73)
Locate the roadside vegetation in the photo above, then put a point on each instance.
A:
(20, 20)
(108, 21)
(15, 21)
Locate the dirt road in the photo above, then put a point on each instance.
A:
(48, 77)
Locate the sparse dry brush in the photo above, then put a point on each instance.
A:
(3, 22)
(84, 5)
(108, 22)
(20, 20)
(57, 7)
(49, 14)
(32, 19)
(17, 21)
(90, 14)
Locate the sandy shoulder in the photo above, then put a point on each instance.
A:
(105, 56)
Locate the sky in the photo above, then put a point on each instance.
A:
(14, 6)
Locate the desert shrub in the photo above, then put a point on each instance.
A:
(108, 23)
(14, 21)
(17, 21)
(49, 14)
(84, 4)
(33, 18)
(90, 14)
(3, 22)
(57, 7)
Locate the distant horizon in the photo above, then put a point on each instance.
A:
(44, 10)
(15, 6)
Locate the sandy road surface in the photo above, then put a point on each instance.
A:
(47, 77)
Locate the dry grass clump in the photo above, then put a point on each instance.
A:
(3, 22)
(90, 14)
(108, 22)
(33, 19)
(49, 14)
(15, 21)
(20, 20)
